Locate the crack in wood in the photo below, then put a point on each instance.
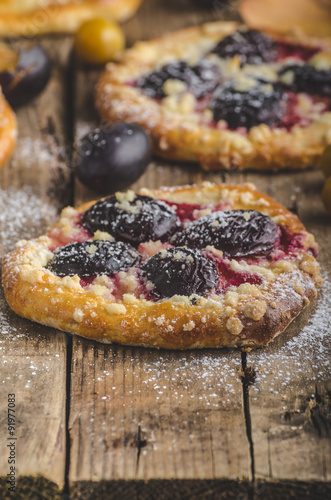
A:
(50, 128)
(247, 379)
(138, 443)
(311, 412)
(319, 412)
(294, 207)
(66, 491)
(269, 455)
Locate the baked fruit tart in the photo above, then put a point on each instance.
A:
(182, 267)
(226, 96)
(34, 17)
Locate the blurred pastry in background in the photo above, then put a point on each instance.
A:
(312, 17)
(22, 18)
(226, 96)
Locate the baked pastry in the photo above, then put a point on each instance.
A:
(34, 17)
(225, 96)
(8, 130)
(183, 267)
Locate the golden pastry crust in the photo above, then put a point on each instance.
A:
(247, 316)
(33, 17)
(180, 133)
(8, 130)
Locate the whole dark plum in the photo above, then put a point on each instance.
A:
(238, 233)
(112, 158)
(92, 258)
(132, 218)
(252, 46)
(29, 78)
(180, 271)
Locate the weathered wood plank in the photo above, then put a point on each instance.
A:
(146, 416)
(138, 441)
(33, 367)
(34, 186)
(290, 399)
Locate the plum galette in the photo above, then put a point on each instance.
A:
(183, 267)
(33, 17)
(225, 96)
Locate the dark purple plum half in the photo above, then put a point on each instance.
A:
(179, 271)
(307, 79)
(252, 46)
(262, 104)
(92, 258)
(200, 79)
(141, 219)
(238, 233)
(30, 77)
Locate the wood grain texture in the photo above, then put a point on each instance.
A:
(34, 185)
(33, 367)
(146, 415)
(140, 414)
(138, 441)
(148, 424)
(290, 399)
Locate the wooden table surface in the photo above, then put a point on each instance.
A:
(97, 421)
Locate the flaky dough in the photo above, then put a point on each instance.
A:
(248, 316)
(28, 18)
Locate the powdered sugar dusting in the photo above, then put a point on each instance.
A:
(44, 152)
(23, 215)
(28, 352)
(306, 356)
(22, 366)
(8, 327)
(208, 378)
